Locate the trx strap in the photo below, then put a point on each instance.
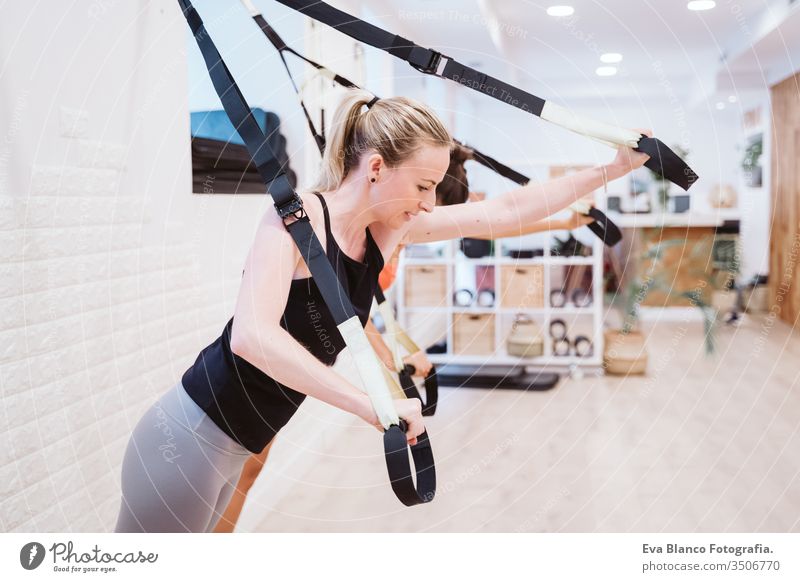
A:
(608, 232)
(290, 208)
(406, 371)
(662, 160)
(319, 137)
(602, 226)
(498, 167)
(280, 46)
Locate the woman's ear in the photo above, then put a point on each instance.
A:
(375, 165)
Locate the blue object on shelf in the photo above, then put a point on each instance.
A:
(217, 125)
(682, 202)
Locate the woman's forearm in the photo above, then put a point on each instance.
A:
(514, 213)
(545, 225)
(294, 366)
(525, 203)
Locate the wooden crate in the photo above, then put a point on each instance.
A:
(473, 333)
(522, 286)
(426, 286)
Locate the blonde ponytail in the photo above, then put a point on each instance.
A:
(395, 128)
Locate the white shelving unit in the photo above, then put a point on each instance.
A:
(589, 320)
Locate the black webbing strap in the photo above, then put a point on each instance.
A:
(395, 447)
(280, 46)
(607, 230)
(407, 382)
(274, 38)
(431, 388)
(498, 167)
(290, 206)
(604, 228)
(233, 102)
(662, 160)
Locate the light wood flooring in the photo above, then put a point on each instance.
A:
(700, 444)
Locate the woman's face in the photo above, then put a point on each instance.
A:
(400, 193)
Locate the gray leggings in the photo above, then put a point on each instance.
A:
(180, 469)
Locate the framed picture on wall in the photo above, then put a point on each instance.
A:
(753, 172)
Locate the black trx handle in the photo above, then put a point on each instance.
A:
(395, 447)
(666, 163)
(602, 226)
(290, 208)
(662, 160)
(431, 388)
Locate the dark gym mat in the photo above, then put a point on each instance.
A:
(457, 377)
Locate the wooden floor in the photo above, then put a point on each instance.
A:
(701, 444)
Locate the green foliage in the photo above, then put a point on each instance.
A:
(752, 153)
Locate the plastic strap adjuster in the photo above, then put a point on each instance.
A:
(291, 208)
(424, 60)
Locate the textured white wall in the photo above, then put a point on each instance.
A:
(112, 274)
(97, 299)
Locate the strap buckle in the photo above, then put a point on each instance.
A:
(426, 60)
(287, 202)
(291, 208)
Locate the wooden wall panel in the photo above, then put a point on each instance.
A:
(784, 271)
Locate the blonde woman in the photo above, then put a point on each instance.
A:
(453, 189)
(377, 188)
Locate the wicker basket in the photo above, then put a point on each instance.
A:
(525, 339)
(625, 354)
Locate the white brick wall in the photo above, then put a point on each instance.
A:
(112, 274)
(93, 326)
(107, 292)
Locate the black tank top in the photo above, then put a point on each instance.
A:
(246, 403)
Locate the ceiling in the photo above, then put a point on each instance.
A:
(667, 50)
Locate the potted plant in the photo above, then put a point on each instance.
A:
(625, 350)
(752, 155)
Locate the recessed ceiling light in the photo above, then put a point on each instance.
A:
(606, 71)
(732, 99)
(560, 11)
(610, 58)
(720, 105)
(701, 5)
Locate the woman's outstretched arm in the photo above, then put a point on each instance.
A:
(513, 213)
(575, 221)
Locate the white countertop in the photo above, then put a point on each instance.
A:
(710, 218)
